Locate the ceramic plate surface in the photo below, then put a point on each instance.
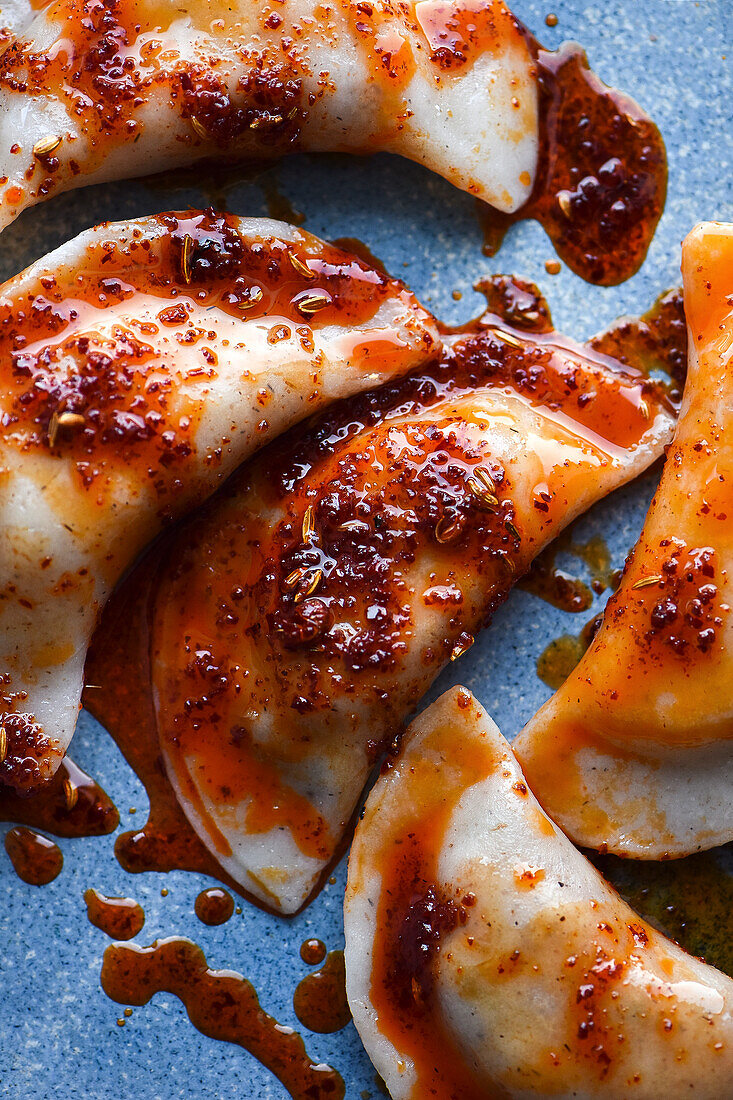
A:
(58, 1030)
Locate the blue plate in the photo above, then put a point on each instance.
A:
(58, 1031)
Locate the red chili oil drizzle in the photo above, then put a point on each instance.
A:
(72, 804)
(214, 906)
(118, 662)
(119, 918)
(320, 998)
(601, 177)
(35, 858)
(221, 1005)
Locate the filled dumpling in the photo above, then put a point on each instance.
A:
(141, 362)
(485, 956)
(301, 617)
(633, 753)
(128, 87)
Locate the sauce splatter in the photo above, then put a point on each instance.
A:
(214, 906)
(119, 918)
(559, 658)
(602, 174)
(72, 804)
(35, 858)
(689, 900)
(550, 582)
(313, 952)
(320, 998)
(221, 1005)
(118, 661)
(279, 205)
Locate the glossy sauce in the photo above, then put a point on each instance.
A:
(214, 906)
(320, 998)
(602, 175)
(312, 952)
(35, 858)
(221, 1005)
(561, 655)
(559, 588)
(72, 804)
(414, 912)
(119, 918)
(119, 657)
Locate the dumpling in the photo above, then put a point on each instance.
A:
(130, 87)
(300, 619)
(485, 956)
(634, 753)
(141, 362)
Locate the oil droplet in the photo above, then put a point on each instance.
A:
(320, 998)
(214, 906)
(220, 1004)
(119, 918)
(313, 952)
(553, 267)
(551, 19)
(35, 858)
(559, 658)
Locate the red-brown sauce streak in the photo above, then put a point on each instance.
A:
(214, 906)
(220, 1005)
(119, 918)
(118, 662)
(602, 174)
(35, 858)
(72, 804)
(320, 998)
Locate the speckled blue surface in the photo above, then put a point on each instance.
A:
(58, 1031)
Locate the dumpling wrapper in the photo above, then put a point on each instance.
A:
(634, 753)
(136, 86)
(302, 616)
(485, 956)
(142, 362)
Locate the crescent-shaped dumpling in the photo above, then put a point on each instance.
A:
(300, 619)
(486, 957)
(129, 87)
(141, 362)
(634, 754)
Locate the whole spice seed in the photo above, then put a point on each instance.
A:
(256, 294)
(506, 337)
(186, 253)
(293, 578)
(3, 743)
(512, 529)
(300, 267)
(647, 582)
(644, 409)
(46, 146)
(563, 201)
(63, 421)
(447, 529)
(312, 303)
(312, 586)
(71, 793)
(485, 498)
(309, 524)
(199, 128)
